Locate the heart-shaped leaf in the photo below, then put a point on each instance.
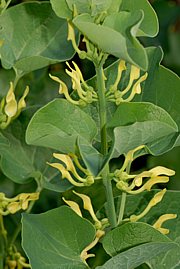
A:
(138, 124)
(58, 124)
(39, 41)
(120, 42)
(57, 239)
(134, 234)
(137, 255)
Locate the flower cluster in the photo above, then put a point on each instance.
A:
(135, 184)
(10, 108)
(16, 261)
(134, 85)
(100, 225)
(86, 93)
(68, 170)
(13, 205)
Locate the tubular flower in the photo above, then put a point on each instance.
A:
(15, 260)
(11, 103)
(10, 108)
(157, 225)
(63, 89)
(120, 175)
(69, 171)
(121, 68)
(84, 254)
(133, 184)
(134, 84)
(74, 206)
(86, 95)
(13, 205)
(71, 37)
(87, 204)
(99, 225)
(154, 201)
(154, 176)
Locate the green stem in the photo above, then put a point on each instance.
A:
(104, 148)
(3, 230)
(123, 198)
(122, 207)
(6, 6)
(102, 108)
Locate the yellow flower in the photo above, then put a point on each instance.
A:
(13, 207)
(21, 201)
(87, 204)
(22, 103)
(157, 225)
(63, 89)
(155, 177)
(154, 201)
(134, 74)
(24, 199)
(136, 88)
(66, 174)
(121, 68)
(84, 254)
(74, 206)
(69, 164)
(11, 103)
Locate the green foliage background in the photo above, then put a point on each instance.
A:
(43, 90)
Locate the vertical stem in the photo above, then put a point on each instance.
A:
(104, 149)
(102, 108)
(3, 230)
(123, 198)
(122, 207)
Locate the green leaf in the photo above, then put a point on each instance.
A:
(99, 6)
(118, 41)
(169, 205)
(37, 42)
(15, 160)
(21, 162)
(61, 9)
(130, 235)
(136, 256)
(57, 238)
(64, 9)
(81, 6)
(58, 124)
(57, 184)
(157, 136)
(129, 113)
(115, 6)
(162, 86)
(92, 158)
(149, 25)
(138, 124)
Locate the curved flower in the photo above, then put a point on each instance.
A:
(157, 225)
(74, 206)
(10, 108)
(87, 204)
(154, 201)
(11, 103)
